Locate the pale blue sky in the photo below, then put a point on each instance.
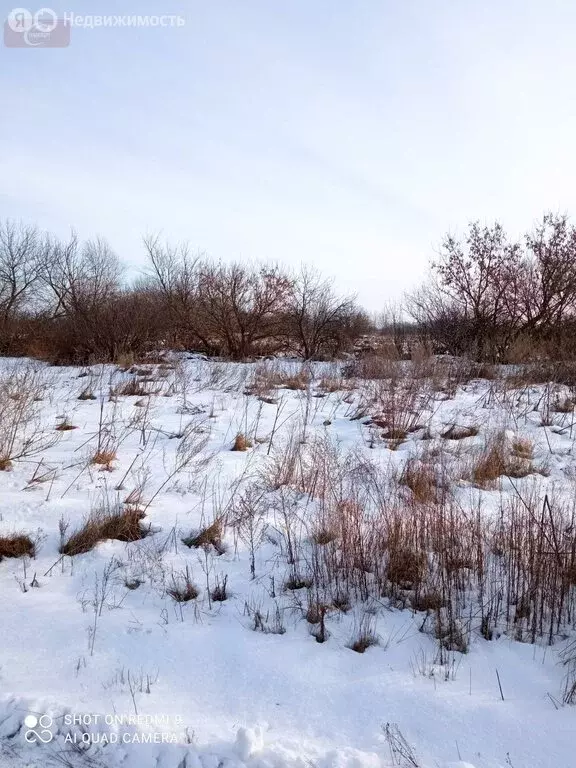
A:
(350, 135)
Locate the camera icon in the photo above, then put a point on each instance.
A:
(38, 729)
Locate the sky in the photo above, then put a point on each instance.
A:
(350, 135)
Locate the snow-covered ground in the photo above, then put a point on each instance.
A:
(244, 681)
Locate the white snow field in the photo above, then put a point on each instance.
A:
(320, 535)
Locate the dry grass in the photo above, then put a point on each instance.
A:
(331, 384)
(491, 464)
(65, 426)
(16, 545)
(523, 448)
(406, 567)
(219, 593)
(420, 477)
(210, 536)
(564, 405)
(241, 443)
(101, 525)
(183, 588)
(104, 457)
(427, 601)
(323, 535)
(494, 461)
(455, 432)
(87, 394)
(364, 638)
(297, 581)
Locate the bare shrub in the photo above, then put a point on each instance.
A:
(396, 407)
(21, 431)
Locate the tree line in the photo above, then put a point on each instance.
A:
(70, 302)
(488, 297)
(502, 300)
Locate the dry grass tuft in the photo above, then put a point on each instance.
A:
(183, 589)
(65, 426)
(296, 581)
(421, 479)
(104, 457)
(564, 405)
(365, 636)
(131, 388)
(523, 448)
(101, 525)
(427, 601)
(87, 394)
(455, 432)
(324, 535)
(494, 461)
(406, 567)
(219, 593)
(491, 464)
(211, 536)
(241, 443)
(16, 545)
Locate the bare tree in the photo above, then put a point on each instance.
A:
(471, 285)
(84, 285)
(319, 318)
(81, 279)
(175, 272)
(546, 284)
(20, 268)
(243, 306)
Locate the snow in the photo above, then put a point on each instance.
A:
(226, 694)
